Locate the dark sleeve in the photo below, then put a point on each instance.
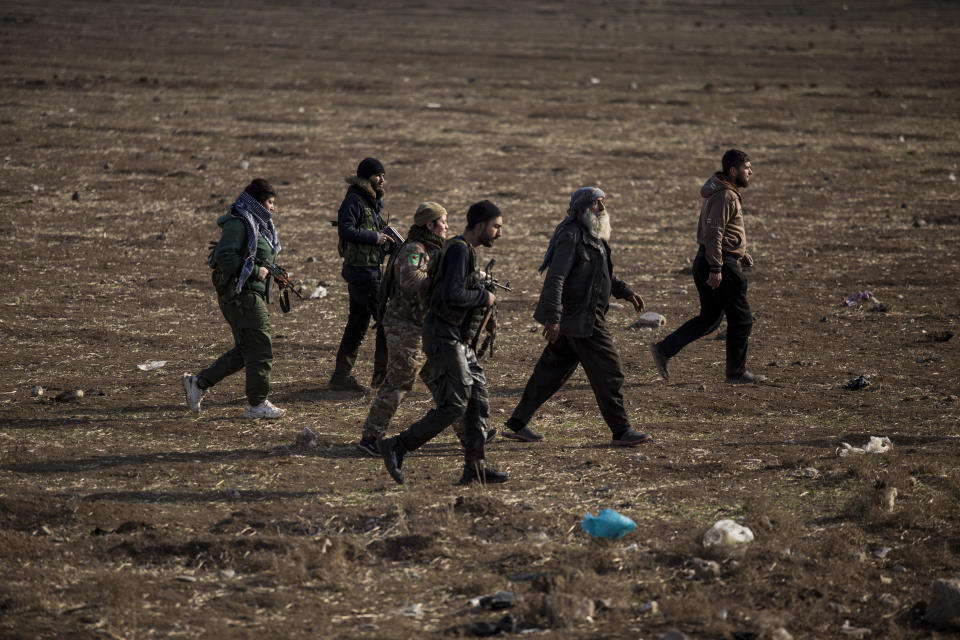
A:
(564, 253)
(349, 219)
(232, 247)
(455, 292)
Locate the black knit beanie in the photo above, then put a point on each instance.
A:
(480, 212)
(261, 190)
(369, 167)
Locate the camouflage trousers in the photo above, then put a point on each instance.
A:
(405, 360)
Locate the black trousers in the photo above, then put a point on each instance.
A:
(363, 307)
(559, 360)
(460, 391)
(729, 298)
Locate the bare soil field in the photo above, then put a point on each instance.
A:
(127, 128)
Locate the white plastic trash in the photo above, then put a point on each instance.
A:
(727, 534)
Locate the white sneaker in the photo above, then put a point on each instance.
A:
(263, 410)
(194, 392)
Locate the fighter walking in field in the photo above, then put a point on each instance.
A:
(572, 308)
(404, 304)
(247, 236)
(360, 227)
(716, 272)
(458, 303)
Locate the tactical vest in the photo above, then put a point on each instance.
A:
(467, 318)
(355, 254)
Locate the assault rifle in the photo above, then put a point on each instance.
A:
(282, 278)
(391, 232)
(489, 283)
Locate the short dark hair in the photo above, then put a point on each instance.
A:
(261, 190)
(480, 212)
(732, 159)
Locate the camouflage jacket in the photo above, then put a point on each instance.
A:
(408, 300)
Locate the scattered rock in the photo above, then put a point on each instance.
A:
(856, 632)
(721, 335)
(702, 388)
(413, 611)
(919, 222)
(780, 634)
(944, 608)
(726, 538)
(185, 578)
(649, 319)
(809, 472)
(673, 634)
(888, 498)
(76, 196)
(651, 607)
(855, 384)
(506, 624)
(36, 392)
(941, 336)
(930, 358)
(888, 600)
(319, 292)
(70, 396)
(33, 187)
(244, 164)
(228, 574)
(499, 600)
(231, 493)
(701, 569)
(306, 439)
(840, 608)
(881, 552)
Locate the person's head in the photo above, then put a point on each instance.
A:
(584, 198)
(736, 166)
(372, 169)
(587, 204)
(433, 217)
(263, 192)
(484, 223)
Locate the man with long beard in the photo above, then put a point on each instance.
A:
(572, 309)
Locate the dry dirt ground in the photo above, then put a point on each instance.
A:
(127, 128)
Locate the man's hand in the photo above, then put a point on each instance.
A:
(747, 261)
(637, 302)
(491, 299)
(262, 273)
(714, 280)
(551, 332)
(383, 238)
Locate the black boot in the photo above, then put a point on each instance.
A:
(478, 471)
(392, 451)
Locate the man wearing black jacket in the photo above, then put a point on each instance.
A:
(458, 303)
(572, 309)
(359, 225)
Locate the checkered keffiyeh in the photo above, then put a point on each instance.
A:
(259, 222)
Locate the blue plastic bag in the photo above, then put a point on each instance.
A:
(608, 524)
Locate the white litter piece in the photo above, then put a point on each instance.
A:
(727, 535)
(319, 292)
(150, 366)
(876, 445)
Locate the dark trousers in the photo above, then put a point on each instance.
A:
(559, 360)
(729, 298)
(460, 391)
(363, 307)
(249, 320)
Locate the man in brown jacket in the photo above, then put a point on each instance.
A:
(716, 272)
